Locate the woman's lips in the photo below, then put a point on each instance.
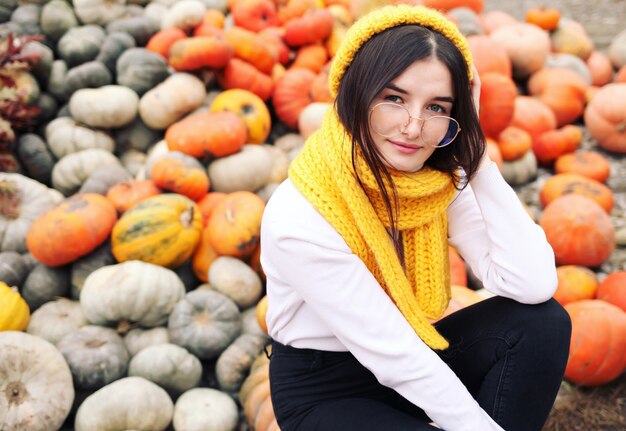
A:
(405, 148)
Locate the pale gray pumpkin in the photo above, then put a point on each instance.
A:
(13, 269)
(114, 45)
(169, 366)
(139, 338)
(233, 365)
(71, 171)
(520, 171)
(48, 107)
(57, 17)
(84, 266)
(184, 14)
(31, 199)
(6, 9)
(57, 80)
(96, 355)
(27, 16)
(105, 107)
(36, 390)
(205, 409)
(136, 136)
(141, 28)
(55, 319)
(616, 51)
(103, 178)
(133, 291)
(133, 10)
(569, 61)
(205, 323)
(249, 170)
(41, 69)
(249, 322)
(141, 70)
(99, 12)
(131, 403)
(80, 44)
(91, 74)
(133, 161)
(235, 279)
(44, 284)
(66, 136)
(154, 12)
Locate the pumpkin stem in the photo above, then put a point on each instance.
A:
(16, 393)
(9, 199)
(125, 326)
(621, 127)
(186, 218)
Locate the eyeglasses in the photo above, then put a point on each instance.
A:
(390, 119)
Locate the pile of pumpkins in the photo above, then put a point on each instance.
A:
(131, 288)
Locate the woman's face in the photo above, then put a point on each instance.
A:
(425, 90)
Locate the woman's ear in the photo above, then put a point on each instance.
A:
(475, 85)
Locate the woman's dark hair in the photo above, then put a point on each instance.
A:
(378, 62)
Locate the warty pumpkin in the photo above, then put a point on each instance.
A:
(14, 314)
(252, 110)
(563, 184)
(163, 230)
(72, 229)
(598, 346)
(575, 283)
(613, 289)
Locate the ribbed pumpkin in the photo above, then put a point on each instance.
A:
(175, 175)
(235, 224)
(613, 289)
(546, 18)
(563, 184)
(587, 163)
(72, 229)
(514, 143)
(598, 346)
(163, 230)
(489, 56)
(208, 203)
(497, 103)
(314, 26)
(292, 95)
(241, 74)
(551, 144)
(575, 283)
(203, 257)
(605, 117)
(129, 193)
(533, 115)
(579, 231)
(249, 47)
(563, 90)
(252, 110)
(14, 313)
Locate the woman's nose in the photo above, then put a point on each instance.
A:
(413, 127)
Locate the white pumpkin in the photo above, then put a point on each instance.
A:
(65, 136)
(235, 279)
(71, 171)
(133, 161)
(311, 117)
(133, 291)
(280, 165)
(99, 12)
(205, 409)
(520, 171)
(131, 403)
(105, 107)
(169, 366)
(138, 338)
(55, 319)
(184, 14)
(250, 323)
(249, 170)
(36, 390)
(25, 200)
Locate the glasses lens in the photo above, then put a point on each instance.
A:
(388, 119)
(439, 131)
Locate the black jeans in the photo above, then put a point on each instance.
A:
(510, 356)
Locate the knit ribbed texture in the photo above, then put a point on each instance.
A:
(323, 173)
(386, 17)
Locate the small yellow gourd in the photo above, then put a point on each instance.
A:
(14, 313)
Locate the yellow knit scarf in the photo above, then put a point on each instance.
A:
(323, 173)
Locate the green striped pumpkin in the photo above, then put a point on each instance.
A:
(163, 230)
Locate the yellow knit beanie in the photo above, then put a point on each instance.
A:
(391, 16)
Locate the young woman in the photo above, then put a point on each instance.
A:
(355, 248)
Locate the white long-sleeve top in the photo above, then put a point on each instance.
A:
(322, 296)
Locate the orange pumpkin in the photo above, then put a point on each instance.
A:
(312, 57)
(255, 262)
(235, 224)
(174, 175)
(214, 17)
(527, 46)
(563, 184)
(129, 193)
(193, 53)
(208, 203)
(494, 19)
(207, 134)
(489, 56)
(292, 95)
(579, 231)
(546, 18)
(312, 27)
(605, 117)
(497, 103)
(272, 36)
(533, 115)
(203, 257)
(514, 143)
(261, 312)
(248, 47)
(600, 67)
(250, 108)
(458, 273)
(461, 297)
(291, 9)
(587, 163)
(162, 41)
(241, 74)
(445, 5)
(206, 29)
(320, 88)
(72, 229)
(494, 152)
(620, 76)
(563, 90)
(575, 284)
(254, 15)
(550, 145)
(613, 289)
(597, 353)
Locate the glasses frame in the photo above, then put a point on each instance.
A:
(402, 128)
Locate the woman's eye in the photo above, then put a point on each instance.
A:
(437, 108)
(393, 98)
